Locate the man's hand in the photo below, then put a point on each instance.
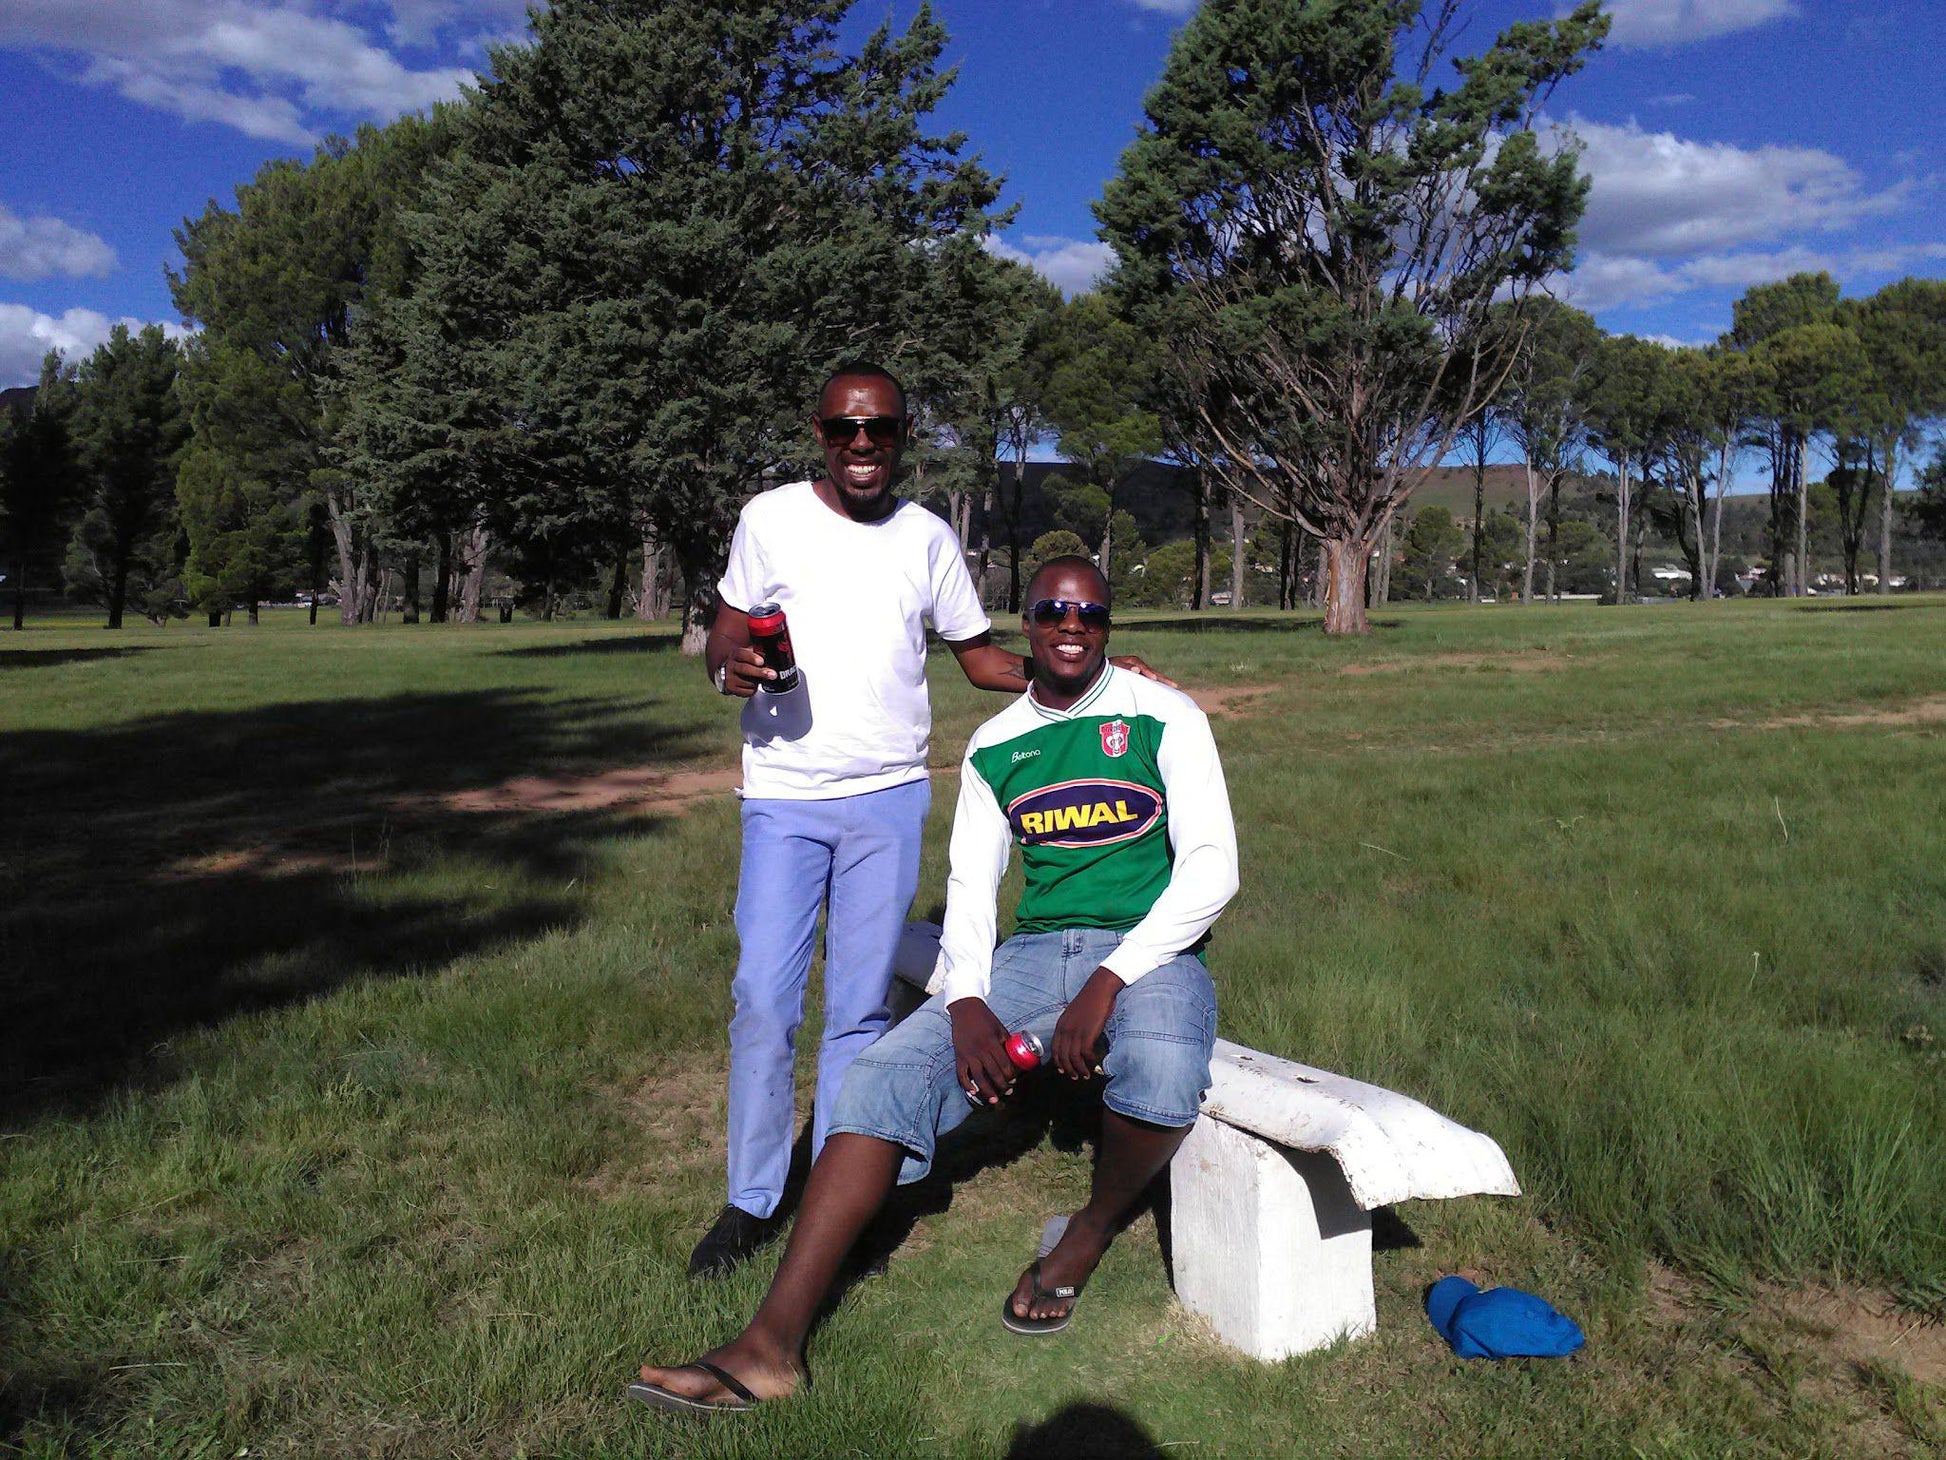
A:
(1134, 665)
(980, 1051)
(744, 670)
(1078, 1034)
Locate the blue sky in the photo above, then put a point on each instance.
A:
(1730, 141)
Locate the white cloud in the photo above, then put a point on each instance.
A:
(26, 335)
(1601, 281)
(44, 248)
(1667, 215)
(1071, 264)
(1168, 7)
(1657, 194)
(1664, 23)
(269, 70)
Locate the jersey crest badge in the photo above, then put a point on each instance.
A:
(1114, 738)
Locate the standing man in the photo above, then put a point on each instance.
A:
(1112, 789)
(834, 772)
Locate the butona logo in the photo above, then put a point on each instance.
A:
(1084, 813)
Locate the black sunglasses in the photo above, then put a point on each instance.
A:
(879, 430)
(1049, 611)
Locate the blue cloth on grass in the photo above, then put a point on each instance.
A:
(1501, 1323)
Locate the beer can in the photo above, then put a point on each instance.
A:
(771, 637)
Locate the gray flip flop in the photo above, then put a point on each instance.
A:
(656, 1397)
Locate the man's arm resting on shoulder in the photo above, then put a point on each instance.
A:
(733, 664)
(988, 666)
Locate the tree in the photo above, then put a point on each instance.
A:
(129, 430)
(1101, 368)
(1059, 543)
(1783, 406)
(1543, 403)
(980, 390)
(1624, 402)
(661, 226)
(1427, 555)
(1324, 229)
(1902, 330)
(39, 480)
(275, 284)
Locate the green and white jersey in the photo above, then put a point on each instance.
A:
(1123, 822)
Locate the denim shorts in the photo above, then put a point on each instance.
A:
(905, 1088)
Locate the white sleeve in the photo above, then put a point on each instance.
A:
(1203, 838)
(956, 612)
(746, 580)
(977, 859)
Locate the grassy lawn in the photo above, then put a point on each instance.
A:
(362, 1006)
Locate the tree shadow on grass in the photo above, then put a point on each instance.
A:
(1295, 623)
(628, 644)
(169, 874)
(49, 658)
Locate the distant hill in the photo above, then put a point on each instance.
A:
(1451, 487)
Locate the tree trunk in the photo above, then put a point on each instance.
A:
(1236, 552)
(1382, 587)
(254, 619)
(1199, 594)
(1553, 535)
(20, 593)
(1885, 517)
(651, 605)
(1479, 515)
(698, 600)
(410, 571)
(1621, 534)
(986, 532)
(1345, 559)
(473, 560)
(1013, 535)
(351, 582)
(1533, 532)
(216, 618)
(442, 575)
(1715, 564)
(1803, 520)
(617, 589)
(117, 594)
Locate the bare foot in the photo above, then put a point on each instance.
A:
(767, 1376)
(1070, 1264)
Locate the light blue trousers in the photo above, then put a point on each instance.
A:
(858, 857)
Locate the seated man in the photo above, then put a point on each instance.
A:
(1111, 785)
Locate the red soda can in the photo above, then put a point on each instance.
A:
(1024, 1050)
(771, 637)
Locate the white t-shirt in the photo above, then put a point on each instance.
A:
(858, 597)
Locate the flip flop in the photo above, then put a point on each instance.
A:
(656, 1397)
(1037, 1326)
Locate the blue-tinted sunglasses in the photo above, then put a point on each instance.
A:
(1048, 611)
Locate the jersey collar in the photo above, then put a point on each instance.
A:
(1079, 707)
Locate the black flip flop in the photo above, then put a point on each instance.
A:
(656, 1397)
(1034, 1327)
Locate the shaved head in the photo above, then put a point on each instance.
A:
(1068, 562)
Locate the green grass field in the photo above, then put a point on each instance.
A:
(361, 1096)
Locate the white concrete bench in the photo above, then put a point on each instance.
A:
(1272, 1193)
